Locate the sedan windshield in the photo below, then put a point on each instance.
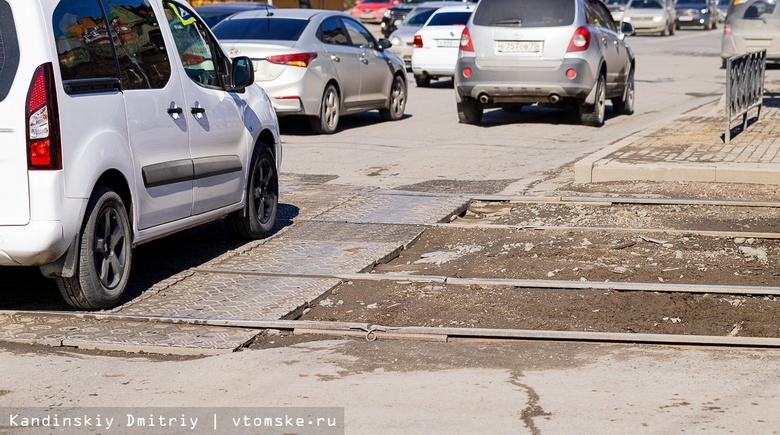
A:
(276, 29)
(645, 4)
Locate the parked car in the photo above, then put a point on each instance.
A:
(723, 8)
(371, 11)
(403, 38)
(317, 63)
(213, 13)
(696, 13)
(561, 53)
(751, 25)
(617, 8)
(436, 44)
(651, 16)
(109, 145)
(394, 16)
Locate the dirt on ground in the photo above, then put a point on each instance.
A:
(723, 247)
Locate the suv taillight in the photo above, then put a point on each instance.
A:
(417, 42)
(580, 41)
(465, 41)
(44, 149)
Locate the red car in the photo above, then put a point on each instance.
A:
(371, 11)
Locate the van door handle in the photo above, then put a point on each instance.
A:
(198, 111)
(175, 112)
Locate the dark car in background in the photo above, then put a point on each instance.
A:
(215, 12)
(696, 13)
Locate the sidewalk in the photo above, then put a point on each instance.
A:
(691, 148)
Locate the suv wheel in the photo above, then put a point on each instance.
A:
(105, 253)
(593, 114)
(469, 111)
(262, 195)
(396, 104)
(625, 105)
(328, 119)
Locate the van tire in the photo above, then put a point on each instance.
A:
(104, 254)
(262, 196)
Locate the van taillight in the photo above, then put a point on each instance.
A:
(44, 149)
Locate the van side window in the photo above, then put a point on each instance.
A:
(759, 8)
(126, 45)
(83, 42)
(143, 61)
(9, 50)
(194, 46)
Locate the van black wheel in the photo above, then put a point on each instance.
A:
(593, 114)
(105, 254)
(469, 112)
(262, 199)
(396, 102)
(625, 105)
(330, 108)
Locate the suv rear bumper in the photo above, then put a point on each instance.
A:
(524, 85)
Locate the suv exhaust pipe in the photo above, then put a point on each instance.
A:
(483, 98)
(554, 98)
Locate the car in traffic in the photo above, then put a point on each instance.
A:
(319, 64)
(558, 53)
(651, 16)
(436, 44)
(696, 13)
(403, 37)
(617, 8)
(213, 13)
(120, 126)
(394, 16)
(751, 25)
(371, 11)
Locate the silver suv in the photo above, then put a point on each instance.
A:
(122, 122)
(565, 53)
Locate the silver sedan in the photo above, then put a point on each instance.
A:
(317, 63)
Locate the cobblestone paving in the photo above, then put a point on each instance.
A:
(320, 231)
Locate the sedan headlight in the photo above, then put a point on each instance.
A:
(657, 19)
(388, 13)
(396, 41)
(704, 11)
(626, 19)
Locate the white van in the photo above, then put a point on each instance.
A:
(123, 121)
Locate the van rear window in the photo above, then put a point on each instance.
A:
(9, 49)
(759, 9)
(525, 13)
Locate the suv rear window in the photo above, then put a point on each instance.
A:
(9, 49)
(758, 9)
(276, 29)
(525, 13)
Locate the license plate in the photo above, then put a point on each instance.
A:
(684, 18)
(447, 42)
(519, 46)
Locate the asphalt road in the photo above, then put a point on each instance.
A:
(479, 387)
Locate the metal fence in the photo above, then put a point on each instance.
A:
(744, 87)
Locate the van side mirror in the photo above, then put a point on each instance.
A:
(243, 73)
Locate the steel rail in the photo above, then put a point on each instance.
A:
(373, 332)
(601, 200)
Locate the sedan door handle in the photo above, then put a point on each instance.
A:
(335, 58)
(364, 60)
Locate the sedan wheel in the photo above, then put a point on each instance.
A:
(396, 104)
(328, 119)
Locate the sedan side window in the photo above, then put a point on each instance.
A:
(332, 32)
(196, 52)
(359, 35)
